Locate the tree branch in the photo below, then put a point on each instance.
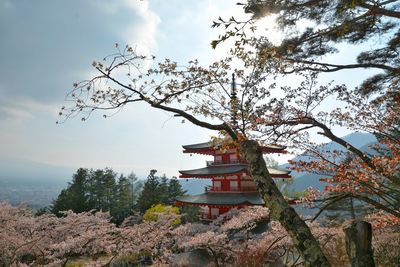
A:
(327, 67)
(377, 10)
(218, 127)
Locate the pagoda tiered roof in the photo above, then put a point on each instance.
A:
(228, 169)
(225, 199)
(208, 148)
(221, 199)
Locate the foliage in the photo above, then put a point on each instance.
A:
(315, 29)
(174, 190)
(312, 31)
(190, 214)
(151, 193)
(371, 178)
(98, 190)
(344, 209)
(152, 213)
(158, 190)
(287, 118)
(49, 239)
(386, 246)
(231, 240)
(131, 259)
(104, 190)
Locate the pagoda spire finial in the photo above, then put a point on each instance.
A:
(234, 105)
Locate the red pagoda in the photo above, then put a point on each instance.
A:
(232, 186)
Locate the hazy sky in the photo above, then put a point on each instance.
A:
(46, 45)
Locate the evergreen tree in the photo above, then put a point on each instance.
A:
(61, 203)
(137, 186)
(150, 193)
(77, 191)
(163, 189)
(94, 188)
(109, 189)
(97, 190)
(174, 190)
(123, 204)
(74, 197)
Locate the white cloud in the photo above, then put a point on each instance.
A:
(22, 109)
(145, 34)
(47, 45)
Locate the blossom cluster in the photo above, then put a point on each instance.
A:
(245, 237)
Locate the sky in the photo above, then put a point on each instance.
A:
(46, 45)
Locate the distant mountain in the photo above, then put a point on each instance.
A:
(194, 186)
(357, 139)
(361, 141)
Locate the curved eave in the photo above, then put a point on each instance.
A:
(214, 171)
(200, 148)
(182, 203)
(225, 199)
(223, 170)
(283, 176)
(221, 199)
(207, 149)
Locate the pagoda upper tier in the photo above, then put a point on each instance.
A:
(208, 148)
(213, 171)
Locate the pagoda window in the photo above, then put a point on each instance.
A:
(218, 159)
(225, 158)
(233, 158)
(217, 185)
(234, 185)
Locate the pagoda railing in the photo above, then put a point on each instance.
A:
(220, 162)
(232, 189)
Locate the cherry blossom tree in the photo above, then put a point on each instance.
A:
(47, 239)
(201, 95)
(232, 240)
(372, 178)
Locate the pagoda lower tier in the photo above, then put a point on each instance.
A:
(213, 205)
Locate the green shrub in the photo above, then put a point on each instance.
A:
(153, 213)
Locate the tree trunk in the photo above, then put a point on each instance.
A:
(358, 244)
(307, 246)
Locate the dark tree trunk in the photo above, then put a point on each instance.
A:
(358, 244)
(302, 238)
